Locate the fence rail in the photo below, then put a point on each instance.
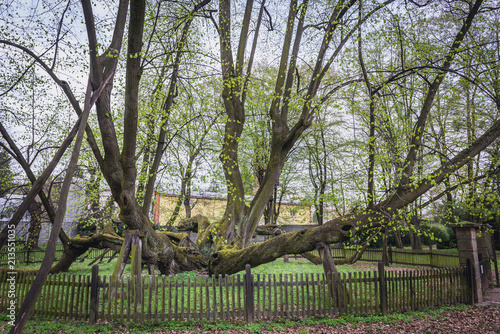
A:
(238, 297)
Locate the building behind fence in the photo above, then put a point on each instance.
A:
(239, 297)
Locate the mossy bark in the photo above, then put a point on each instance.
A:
(230, 261)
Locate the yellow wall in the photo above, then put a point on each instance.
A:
(213, 209)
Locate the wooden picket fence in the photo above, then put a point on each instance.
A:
(245, 297)
(36, 256)
(63, 296)
(425, 257)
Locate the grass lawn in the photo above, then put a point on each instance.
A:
(294, 266)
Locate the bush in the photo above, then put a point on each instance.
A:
(441, 235)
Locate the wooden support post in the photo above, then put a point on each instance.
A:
(136, 270)
(383, 288)
(94, 295)
(249, 298)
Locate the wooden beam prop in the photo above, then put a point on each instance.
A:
(131, 246)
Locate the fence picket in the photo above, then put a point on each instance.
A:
(150, 288)
(45, 293)
(46, 304)
(201, 298)
(239, 297)
(182, 301)
(376, 300)
(214, 308)
(157, 293)
(313, 288)
(129, 298)
(121, 296)
(40, 302)
(441, 292)
(221, 298)
(87, 295)
(226, 278)
(285, 285)
(176, 303)
(275, 297)
(195, 299)
(269, 293)
(188, 299)
(281, 306)
(368, 292)
(292, 284)
(70, 295)
(308, 296)
(79, 298)
(233, 284)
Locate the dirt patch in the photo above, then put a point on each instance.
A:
(492, 297)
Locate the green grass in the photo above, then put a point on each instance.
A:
(81, 268)
(295, 266)
(41, 325)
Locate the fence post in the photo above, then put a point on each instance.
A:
(94, 295)
(383, 288)
(249, 301)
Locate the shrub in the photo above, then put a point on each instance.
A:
(441, 235)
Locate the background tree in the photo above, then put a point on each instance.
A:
(7, 178)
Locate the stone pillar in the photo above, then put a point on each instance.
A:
(467, 249)
(484, 255)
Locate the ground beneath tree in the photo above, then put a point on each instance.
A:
(483, 319)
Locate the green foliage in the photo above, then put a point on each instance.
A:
(441, 235)
(6, 175)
